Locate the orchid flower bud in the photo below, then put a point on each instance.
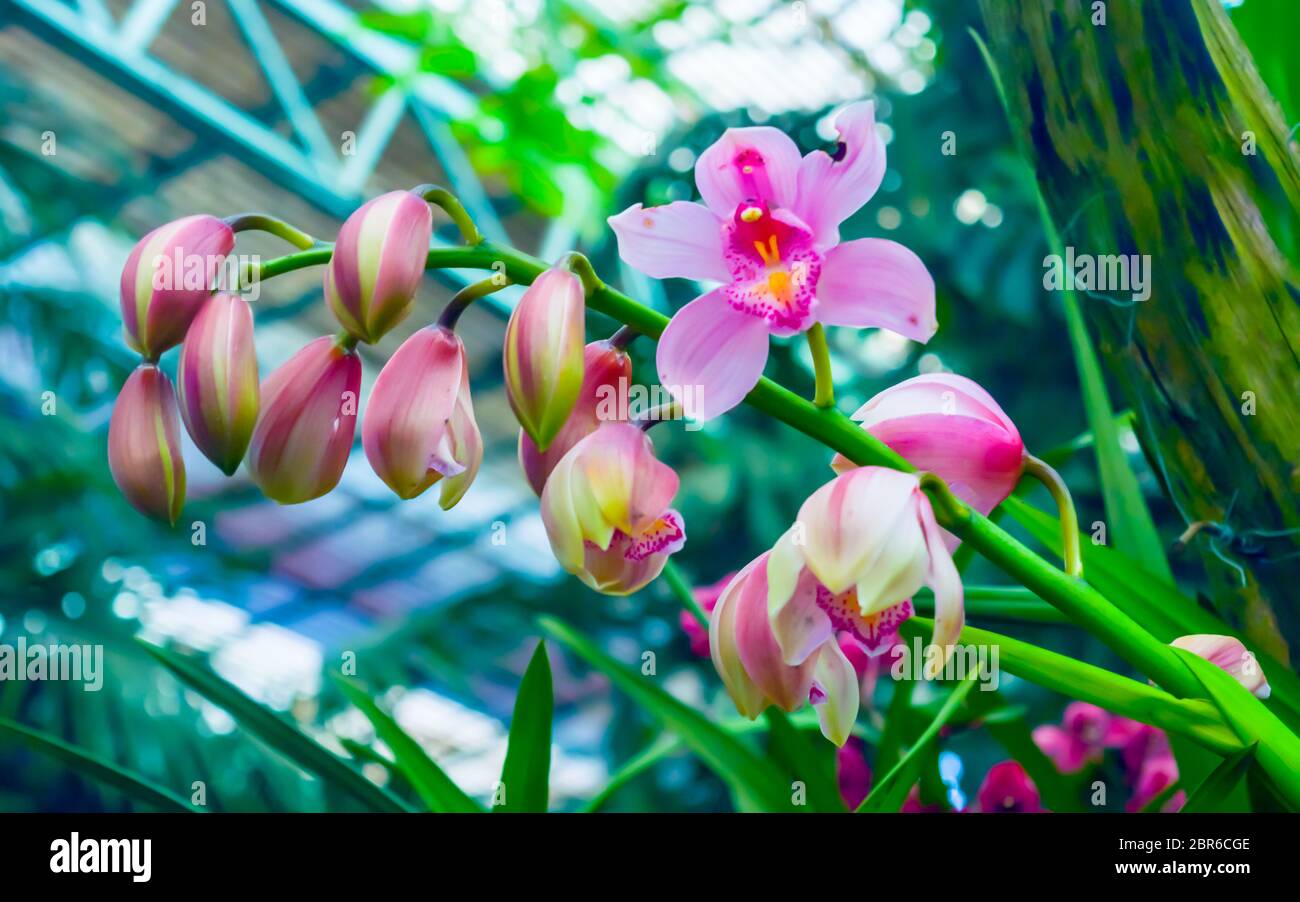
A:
(419, 426)
(378, 261)
(167, 277)
(144, 445)
(606, 511)
(604, 366)
(309, 416)
(753, 667)
(1230, 655)
(543, 354)
(217, 379)
(950, 426)
(861, 547)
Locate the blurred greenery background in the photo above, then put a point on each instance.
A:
(547, 117)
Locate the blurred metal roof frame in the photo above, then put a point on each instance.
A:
(308, 163)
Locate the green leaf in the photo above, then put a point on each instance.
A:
(1157, 604)
(756, 780)
(527, 771)
(890, 793)
(1279, 749)
(1215, 793)
(663, 746)
(437, 790)
(101, 770)
(276, 732)
(810, 762)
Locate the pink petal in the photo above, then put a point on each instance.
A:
(1230, 655)
(711, 355)
(943, 578)
(830, 191)
(799, 625)
(835, 692)
(873, 282)
(1068, 753)
(755, 165)
(786, 686)
(679, 240)
(747, 697)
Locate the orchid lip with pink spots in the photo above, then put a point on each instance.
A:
(768, 231)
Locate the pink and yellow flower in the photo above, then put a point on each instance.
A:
(378, 261)
(309, 417)
(950, 426)
(605, 508)
(168, 276)
(754, 669)
(543, 354)
(218, 380)
(860, 548)
(144, 445)
(420, 426)
(768, 230)
(604, 367)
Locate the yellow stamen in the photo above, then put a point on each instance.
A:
(771, 252)
(751, 214)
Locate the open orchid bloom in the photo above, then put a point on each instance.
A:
(1230, 655)
(949, 425)
(768, 230)
(1007, 789)
(605, 508)
(754, 670)
(862, 545)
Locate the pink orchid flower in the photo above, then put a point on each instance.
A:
(753, 667)
(862, 545)
(768, 230)
(1007, 789)
(1086, 731)
(1230, 655)
(949, 425)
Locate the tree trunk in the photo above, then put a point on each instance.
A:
(1152, 134)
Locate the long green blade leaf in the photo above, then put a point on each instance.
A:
(758, 781)
(1215, 793)
(437, 790)
(101, 770)
(663, 746)
(526, 775)
(891, 792)
(276, 732)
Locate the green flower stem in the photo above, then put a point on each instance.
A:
(446, 201)
(461, 300)
(681, 590)
(260, 222)
(1077, 600)
(998, 603)
(1040, 470)
(824, 392)
(580, 266)
(1197, 719)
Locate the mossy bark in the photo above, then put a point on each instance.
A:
(1152, 134)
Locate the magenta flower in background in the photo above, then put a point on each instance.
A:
(309, 416)
(1007, 789)
(168, 276)
(419, 427)
(707, 597)
(1151, 768)
(217, 379)
(144, 445)
(605, 508)
(768, 230)
(1086, 731)
(602, 369)
(378, 261)
(852, 772)
(949, 425)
